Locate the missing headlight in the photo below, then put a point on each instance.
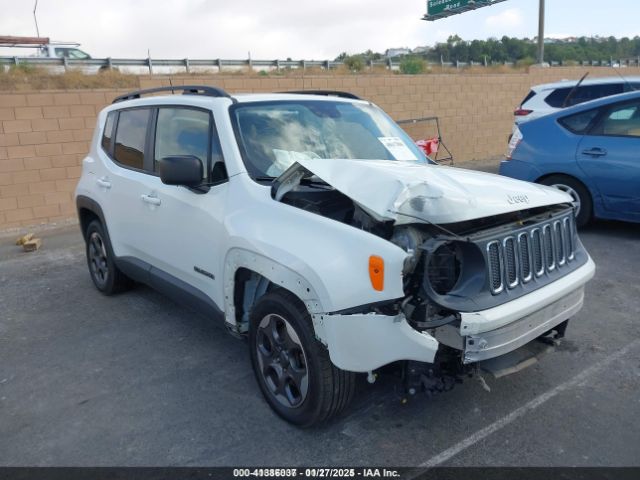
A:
(444, 267)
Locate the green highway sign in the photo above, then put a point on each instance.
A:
(437, 9)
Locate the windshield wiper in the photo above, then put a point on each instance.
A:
(264, 178)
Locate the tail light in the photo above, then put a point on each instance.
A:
(522, 112)
(515, 140)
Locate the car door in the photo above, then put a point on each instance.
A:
(120, 181)
(610, 155)
(185, 235)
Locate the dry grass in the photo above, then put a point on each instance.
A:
(30, 78)
(25, 77)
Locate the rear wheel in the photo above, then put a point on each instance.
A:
(105, 274)
(292, 368)
(581, 197)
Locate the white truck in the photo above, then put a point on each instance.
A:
(314, 226)
(43, 47)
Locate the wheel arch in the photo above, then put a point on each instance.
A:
(88, 210)
(248, 276)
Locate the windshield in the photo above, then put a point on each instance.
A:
(273, 135)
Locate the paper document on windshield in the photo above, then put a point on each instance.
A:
(397, 148)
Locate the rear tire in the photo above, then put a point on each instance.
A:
(100, 259)
(579, 193)
(293, 369)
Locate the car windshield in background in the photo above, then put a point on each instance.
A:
(273, 135)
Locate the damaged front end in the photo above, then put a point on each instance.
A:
(478, 285)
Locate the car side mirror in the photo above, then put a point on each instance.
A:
(185, 170)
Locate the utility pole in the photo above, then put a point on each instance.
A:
(35, 19)
(541, 34)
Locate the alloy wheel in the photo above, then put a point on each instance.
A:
(98, 259)
(282, 361)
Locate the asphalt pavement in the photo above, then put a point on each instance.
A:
(137, 380)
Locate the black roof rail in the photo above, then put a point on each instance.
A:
(184, 89)
(326, 93)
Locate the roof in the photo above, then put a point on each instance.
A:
(586, 82)
(200, 94)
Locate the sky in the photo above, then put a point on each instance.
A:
(300, 29)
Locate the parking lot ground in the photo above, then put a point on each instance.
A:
(136, 379)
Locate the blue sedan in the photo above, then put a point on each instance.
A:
(591, 151)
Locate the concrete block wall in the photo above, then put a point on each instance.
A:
(44, 135)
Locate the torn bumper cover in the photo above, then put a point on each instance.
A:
(365, 342)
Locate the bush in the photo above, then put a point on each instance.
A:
(412, 65)
(525, 62)
(355, 63)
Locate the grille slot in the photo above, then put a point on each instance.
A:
(495, 266)
(559, 240)
(510, 262)
(549, 259)
(538, 264)
(525, 257)
(568, 229)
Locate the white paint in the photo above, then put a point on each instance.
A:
(483, 433)
(361, 343)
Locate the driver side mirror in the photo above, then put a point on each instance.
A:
(185, 170)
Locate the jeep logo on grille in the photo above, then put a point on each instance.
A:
(512, 199)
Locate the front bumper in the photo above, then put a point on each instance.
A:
(365, 342)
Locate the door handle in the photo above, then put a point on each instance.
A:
(595, 152)
(103, 182)
(151, 200)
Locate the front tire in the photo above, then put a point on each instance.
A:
(292, 368)
(100, 259)
(582, 201)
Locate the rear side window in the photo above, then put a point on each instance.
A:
(130, 137)
(579, 123)
(620, 121)
(107, 134)
(182, 131)
(582, 94)
(528, 97)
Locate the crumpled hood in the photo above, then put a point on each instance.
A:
(405, 192)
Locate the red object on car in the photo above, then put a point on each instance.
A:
(429, 146)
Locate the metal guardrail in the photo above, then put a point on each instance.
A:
(220, 64)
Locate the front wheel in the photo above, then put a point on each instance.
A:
(292, 368)
(581, 198)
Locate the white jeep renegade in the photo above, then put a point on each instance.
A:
(312, 223)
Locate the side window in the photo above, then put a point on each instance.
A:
(528, 97)
(131, 136)
(79, 54)
(582, 94)
(183, 131)
(107, 134)
(621, 120)
(579, 122)
(593, 92)
(556, 98)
